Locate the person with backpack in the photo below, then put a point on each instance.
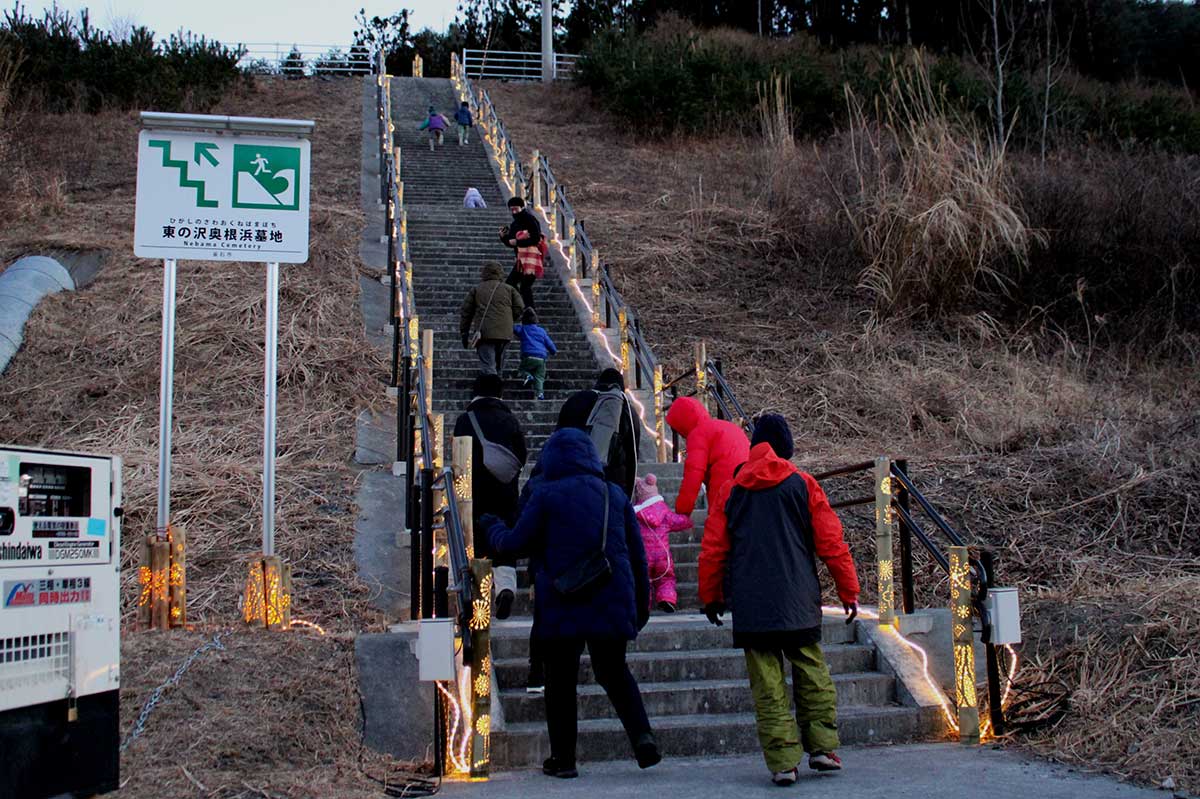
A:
(462, 115)
(778, 524)
(525, 237)
(491, 309)
(591, 589)
(498, 454)
(605, 414)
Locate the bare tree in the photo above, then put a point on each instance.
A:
(1003, 19)
(1055, 57)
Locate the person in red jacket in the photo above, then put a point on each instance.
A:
(715, 449)
(779, 523)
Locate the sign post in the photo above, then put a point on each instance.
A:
(166, 396)
(220, 188)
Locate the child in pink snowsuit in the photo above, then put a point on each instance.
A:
(658, 521)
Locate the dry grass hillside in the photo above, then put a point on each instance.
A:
(1072, 459)
(272, 714)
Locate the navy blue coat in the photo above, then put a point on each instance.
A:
(559, 526)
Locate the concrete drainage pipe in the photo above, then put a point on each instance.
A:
(22, 287)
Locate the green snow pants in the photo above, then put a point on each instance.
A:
(783, 742)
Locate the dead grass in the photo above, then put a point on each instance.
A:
(274, 715)
(1071, 460)
(932, 204)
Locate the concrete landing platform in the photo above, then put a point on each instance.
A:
(920, 771)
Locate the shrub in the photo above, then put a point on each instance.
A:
(932, 206)
(68, 64)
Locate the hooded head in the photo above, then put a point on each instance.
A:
(515, 203)
(685, 414)
(488, 386)
(492, 271)
(610, 378)
(771, 428)
(529, 317)
(570, 452)
(432, 110)
(644, 488)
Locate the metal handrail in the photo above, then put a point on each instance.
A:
(403, 343)
(927, 506)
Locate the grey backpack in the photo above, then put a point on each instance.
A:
(604, 421)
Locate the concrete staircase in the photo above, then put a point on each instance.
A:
(449, 244)
(692, 680)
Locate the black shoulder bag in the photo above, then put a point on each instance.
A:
(589, 575)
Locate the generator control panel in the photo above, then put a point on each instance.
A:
(60, 538)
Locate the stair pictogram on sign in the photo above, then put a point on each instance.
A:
(184, 182)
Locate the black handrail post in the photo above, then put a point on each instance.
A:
(441, 592)
(416, 540)
(427, 543)
(403, 411)
(906, 565)
(716, 386)
(991, 654)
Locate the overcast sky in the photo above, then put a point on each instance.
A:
(325, 22)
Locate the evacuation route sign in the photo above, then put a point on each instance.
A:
(221, 197)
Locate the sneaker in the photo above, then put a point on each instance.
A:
(528, 379)
(563, 771)
(541, 396)
(666, 607)
(824, 761)
(785, 778)
(537, 689)
(646, 751)
(504, 603)
(536, 684)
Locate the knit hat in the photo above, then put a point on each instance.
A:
(773, 429)
(529, 317)
(610, 378)
(644, 488)
(488, 386)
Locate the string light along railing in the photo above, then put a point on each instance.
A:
(972, 582)
(438, 495)
(612, 317)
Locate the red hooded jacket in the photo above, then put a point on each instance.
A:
(765, 470)
(715, 449)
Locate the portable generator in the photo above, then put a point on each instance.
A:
(60, 576)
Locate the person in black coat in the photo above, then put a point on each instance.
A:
(490, 495)
(559, 527)
(621, 467)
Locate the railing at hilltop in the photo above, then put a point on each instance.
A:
(306, 60)
(537, 184)
(438, 496)
(514, 65)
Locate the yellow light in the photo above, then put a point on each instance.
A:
(308, 625)
(146, 581)
(483, 724)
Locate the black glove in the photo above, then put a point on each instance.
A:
(851, 609)
(714, 611)
(466, 340)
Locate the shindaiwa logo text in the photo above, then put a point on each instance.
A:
(20, 552)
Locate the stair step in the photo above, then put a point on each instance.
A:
(709, 697)
(696, 664)
(510, 639)
(526, 745)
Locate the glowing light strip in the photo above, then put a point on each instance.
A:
(458, 766)
(943, 700)
(986, 731)
(308, 625)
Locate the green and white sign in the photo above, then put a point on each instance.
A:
(222, 196)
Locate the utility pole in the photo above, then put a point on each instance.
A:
(547, 41)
